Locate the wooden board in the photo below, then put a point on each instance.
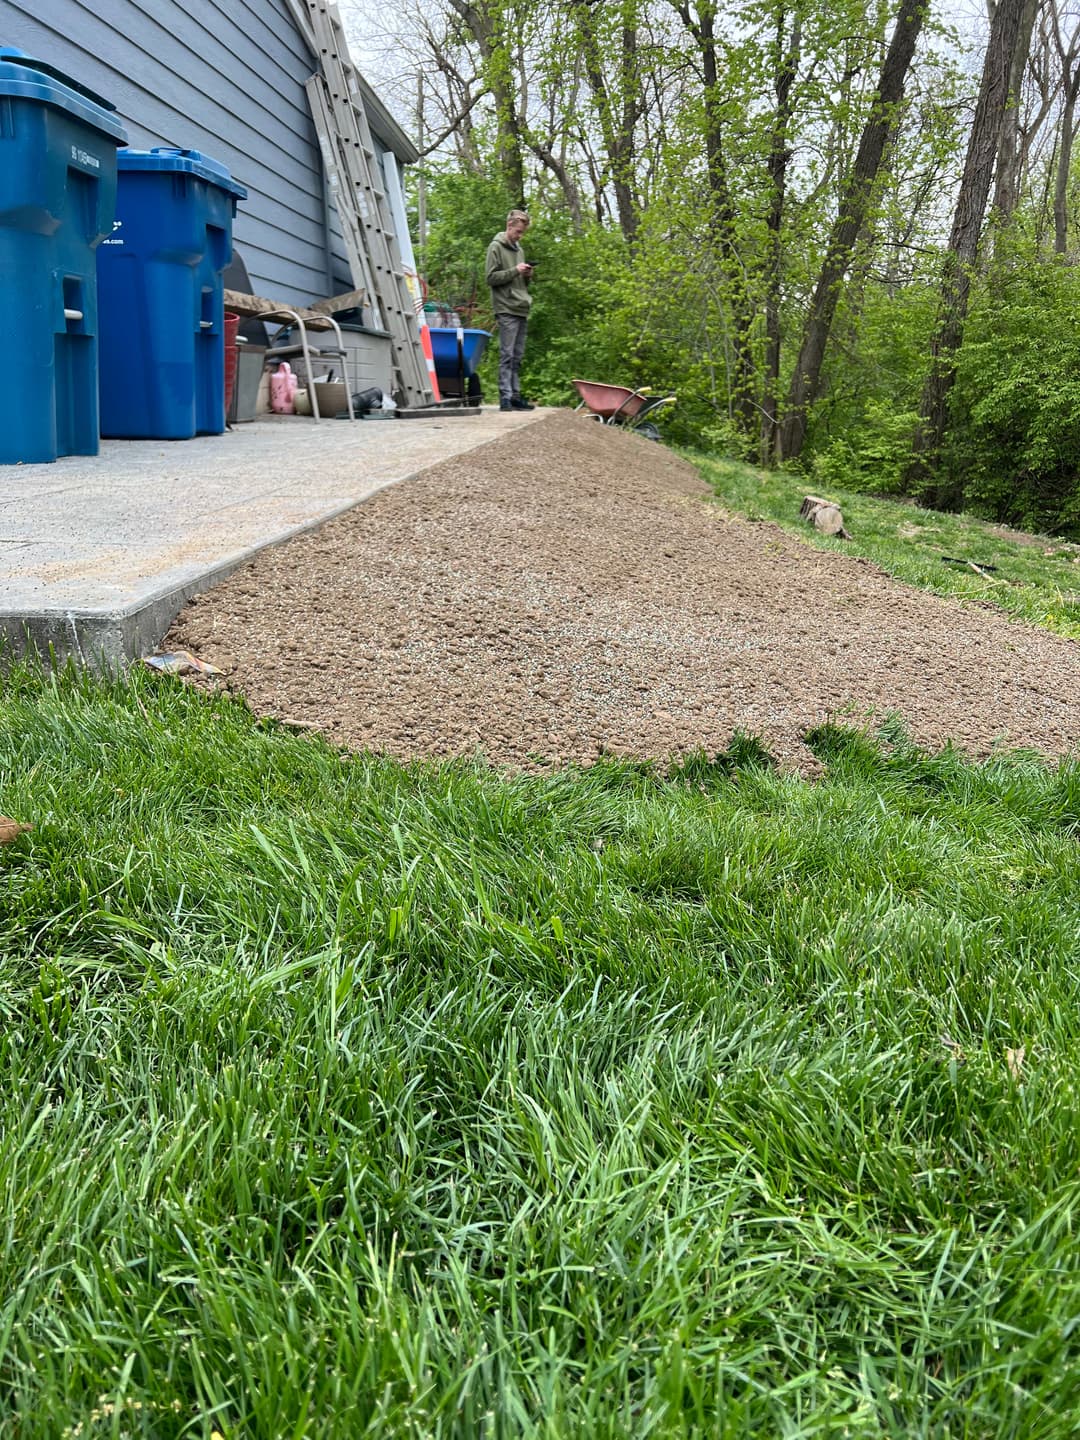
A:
(255, 305)
(349, 301)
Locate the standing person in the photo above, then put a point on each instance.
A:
(508, 273)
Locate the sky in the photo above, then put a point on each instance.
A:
(373, 29)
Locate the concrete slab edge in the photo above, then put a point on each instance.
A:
(107, 640)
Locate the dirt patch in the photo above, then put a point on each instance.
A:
(1045, 543)
(571, 590)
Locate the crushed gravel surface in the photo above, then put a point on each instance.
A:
(571, 590)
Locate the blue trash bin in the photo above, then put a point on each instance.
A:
(162, 298)
(58, 145)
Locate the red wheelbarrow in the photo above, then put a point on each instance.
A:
(617, 405)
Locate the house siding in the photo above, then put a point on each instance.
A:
(227, 79)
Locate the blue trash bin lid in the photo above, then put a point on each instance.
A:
(26, 78)
(188, 162)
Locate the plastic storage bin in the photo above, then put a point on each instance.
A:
(250, 363)
(58, 145)
(232, 330)
(162, 298)
(250, 353)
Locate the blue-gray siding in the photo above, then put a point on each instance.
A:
(222, 76)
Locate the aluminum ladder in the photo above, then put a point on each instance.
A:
(354, 173)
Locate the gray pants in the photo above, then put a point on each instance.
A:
(512, 330)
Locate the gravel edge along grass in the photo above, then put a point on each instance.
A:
(1035, 578)
(345, 1098)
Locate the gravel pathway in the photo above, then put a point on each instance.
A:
(570, 590)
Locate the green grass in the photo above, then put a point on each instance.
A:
(1032, 578)
(346, 1099)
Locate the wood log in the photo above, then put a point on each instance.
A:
(349, 301)
(255, 305)
(824, 516)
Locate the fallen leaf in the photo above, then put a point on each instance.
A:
(1014, 1059)
(11, 830)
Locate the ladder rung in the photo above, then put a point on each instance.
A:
(352, 168)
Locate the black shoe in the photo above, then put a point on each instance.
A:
(506, 405)
(519, 404)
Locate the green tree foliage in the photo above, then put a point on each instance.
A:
(579, 322)
(1014, 449)
(464, 211)
(1013, 452)
(684, 187)
(860, 434)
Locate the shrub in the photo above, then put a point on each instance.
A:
(1014, 443)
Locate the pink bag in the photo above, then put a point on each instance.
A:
(283, 385)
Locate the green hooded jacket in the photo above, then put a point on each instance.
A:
(509, 291)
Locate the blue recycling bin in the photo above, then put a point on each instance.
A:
(58, 144)
(162, 297)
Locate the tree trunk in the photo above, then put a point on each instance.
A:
(570, 191)
(725, 227)
(854, 204)
(618, 116)
(623, 156)
(1061, 188)
(787, 60)
(1007, 187)
(964, 241)
(511, 155)
(486, 23)
(1070, 84)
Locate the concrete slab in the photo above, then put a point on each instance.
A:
(99, 553)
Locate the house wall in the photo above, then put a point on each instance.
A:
(222, 76)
